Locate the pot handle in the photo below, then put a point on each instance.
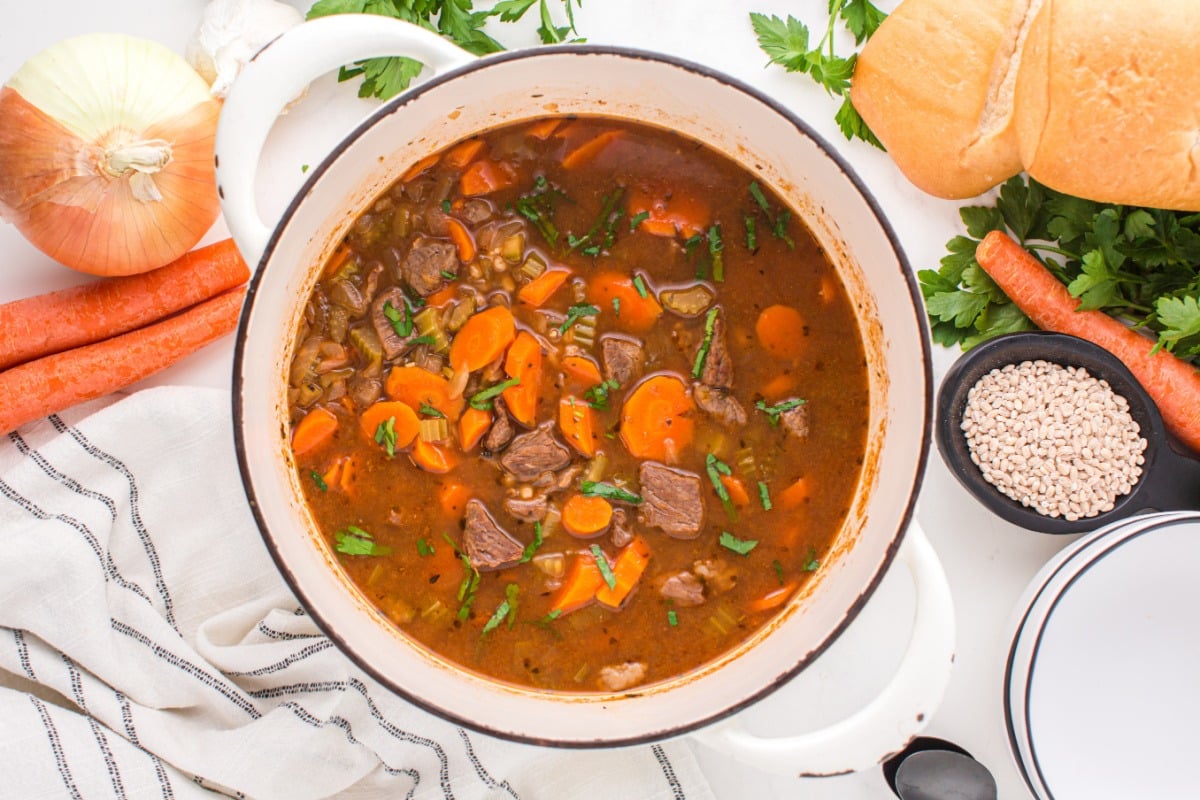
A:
(280, 72)
(894, 717)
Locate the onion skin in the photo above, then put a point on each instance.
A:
(55, 190)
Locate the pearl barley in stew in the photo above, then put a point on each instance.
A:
(542, 415)
(1053, 438)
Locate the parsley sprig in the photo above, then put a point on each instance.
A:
(786, 42)
(1140, 265)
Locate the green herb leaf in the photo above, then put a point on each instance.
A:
(576, 313)
(482, 401)
(778, 567)
(862, 17)
(424, 548)
(506, 610)
(531, 548)
(853, 126)
(640, 284)
(638, 219)
(605, 569)
(740, 546)
(430, 411)
(318, 480)
(810, 562)
(402, 324)
(715, 468)
(784, 41)
(763, 496)
(776, 411)
(616, 304)
(448, 275)
(467, 588)
(354, 541)
(1180, 317)
(385, 435)
(751, 233)
(422, 340)
(597, 396)
(715, 246)
(710, 321)
(608, 492)
(446, 206)
(303, 168)
(672, 617)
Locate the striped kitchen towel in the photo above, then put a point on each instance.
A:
(149, 648)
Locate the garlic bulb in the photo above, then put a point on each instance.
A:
(231, 32)
(106, 154)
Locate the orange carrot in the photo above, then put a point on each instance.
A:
(590, 149)
(542, 288)
(543, 127)
(341, 474)
(578, 423)
(582, 371)
(336, 261)
(1173, 384)
(453, 497)
(463, 153)
(637, 313)
(462, 238)
(656, 419)
(485, 177)
(442, 296)
(627, 568)
(795, 495)
(781, 332)
(57, 321)
(472, 425)
(782, 384)
(403, 418)
(314, 430)
(579, 585)
(416, 169)
(417, 386)
(681, 215)
(736, 489)
(772, 599)
(433, 457)
(52, 383)
(524, 362)
(483, 338)
(585, 516)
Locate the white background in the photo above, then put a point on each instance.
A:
(988, 561)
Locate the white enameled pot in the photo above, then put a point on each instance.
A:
(467, 95)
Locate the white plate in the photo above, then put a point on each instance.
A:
(1101, 685)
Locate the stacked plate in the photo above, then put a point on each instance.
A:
(1102, 682)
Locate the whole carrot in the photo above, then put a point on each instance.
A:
(57, 321)
(50, 384)
(1173, 384)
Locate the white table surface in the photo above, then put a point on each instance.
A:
(988, 561)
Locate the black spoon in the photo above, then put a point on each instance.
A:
(935, 769)
(1170, 479)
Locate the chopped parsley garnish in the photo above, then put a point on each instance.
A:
(402, 324)
(779, 222)
(424, 548)
(597, 396)
(385, 435)
(531, 548)
(546, 620)
(715, 246)
(606, 221)
(710, 321)
(617, 306)
(446, 206)
(576, 313)
(303, 168)
(640, 285)
(810, 562)
(638, 219)
(691, 243)
(757, 193)
(774, 412)
(422, 340)
(740, 546)
(318, 480)
(354, 541)
(468, 587)
(778, 567)
(448, 275)
(608, 492)
(538, 208)
(763, 496)
(672, 618)
(715, 468)
(751, 233)
(605, 569)
(506, 611)
(430, 411)
(482, 401)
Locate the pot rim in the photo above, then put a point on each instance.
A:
(907, 274)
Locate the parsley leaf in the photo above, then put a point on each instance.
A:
(597, 396)
(318, 480)
(608, 492)
(740, 546)
(605, 568)
(354, 541)
(430, 411)
(778, 567)
(774, 412)
(531, 548)
(482, 401)
(576, 313)
(385, 435)
(710, 321)
(424, 548)
(506, 611)
(810, 562)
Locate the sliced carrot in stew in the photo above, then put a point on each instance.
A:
(736, 489)
(403, 420)
(453, 497)
(579, 585)
(676, 215)
(416, 169)
(542, 288)
(482, 339)
(340, 474)
(463, 240)
(315, 429)
(627, 568)
(657, 419)
(432, 457)
(524, 362)
(590, 149)
(336, 261)
(463, 153)
(485, 177)
(577, 420)
(795, 495)
(772, 599)
(472, 425)
(443, 296)
(586, 517)
(582, 371)
(784, 383)
(638, 313)
(781, 331)
(417, 386)
(543, 127)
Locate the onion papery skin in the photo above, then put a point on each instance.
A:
(63, 110)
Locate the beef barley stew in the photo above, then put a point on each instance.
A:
(578, 404)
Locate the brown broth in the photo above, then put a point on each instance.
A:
(400, 504)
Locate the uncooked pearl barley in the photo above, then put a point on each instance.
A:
(1053, 438)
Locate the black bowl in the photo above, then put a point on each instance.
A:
(1170, 479)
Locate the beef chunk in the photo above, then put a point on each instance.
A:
(718, 364)
(719, 404)
(683, 588)
(487, 545)
(532, 509)
(621, 676)
(796, 420)
(716, 574)
(533, 453)
(393, 343)
(501, 432)
(671, 500)
(622, 534)
(475, 211)
(624, 359)
(422, 267)
(558, 481)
